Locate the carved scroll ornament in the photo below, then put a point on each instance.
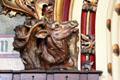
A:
(39, 9)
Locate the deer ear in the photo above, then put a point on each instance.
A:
(41, 34)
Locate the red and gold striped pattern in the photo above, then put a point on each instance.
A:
(88, 28)
(63, 8)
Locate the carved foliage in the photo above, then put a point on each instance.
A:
(39, 9)
(87, 43)
(90, 5)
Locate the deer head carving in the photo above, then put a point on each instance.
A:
(45, 43)
(42, 42)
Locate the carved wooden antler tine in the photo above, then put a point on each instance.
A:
(33, 27)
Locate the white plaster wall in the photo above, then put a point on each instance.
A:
(101, 55)
(11, 64)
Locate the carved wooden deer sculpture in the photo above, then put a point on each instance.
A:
(44, 45)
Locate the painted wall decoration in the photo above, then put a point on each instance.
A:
(9, 58)
(7, 25)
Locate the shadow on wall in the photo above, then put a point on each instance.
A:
(8, 24)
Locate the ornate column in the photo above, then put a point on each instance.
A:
(88, 35)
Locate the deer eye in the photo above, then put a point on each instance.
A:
(56, 26)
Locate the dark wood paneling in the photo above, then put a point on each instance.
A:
(93, 77)
(16, 76)
(49, 75)
(33, 76)
(83, 76)
(66, 77)
(5, 76)
(52, 71)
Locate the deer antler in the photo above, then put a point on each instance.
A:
(32, 28)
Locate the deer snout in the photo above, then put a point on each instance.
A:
(74, 24)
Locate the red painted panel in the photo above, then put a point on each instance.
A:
(82, 58)
(92, 22)
(83, 21)
(92, 59)
(92, 32)
(65, 10)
